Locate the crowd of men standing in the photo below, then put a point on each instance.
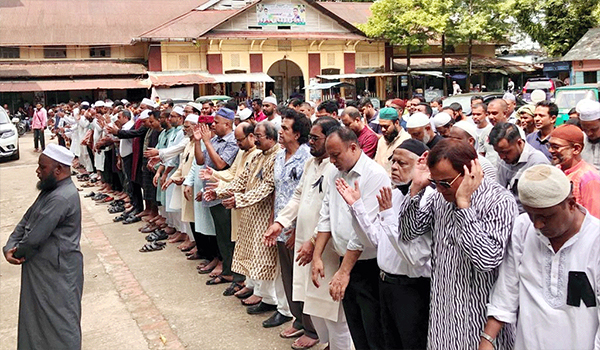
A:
(407, 227)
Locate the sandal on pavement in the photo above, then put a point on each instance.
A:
(151, 247)
(297, 346)
(246, 294)
(232, 289)
(246, 303)
(157, 236)
(217, 280)
(295, 334)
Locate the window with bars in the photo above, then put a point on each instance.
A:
(10, 52)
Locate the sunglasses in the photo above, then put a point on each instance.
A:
(443, 183)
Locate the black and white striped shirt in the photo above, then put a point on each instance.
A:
(468, 246)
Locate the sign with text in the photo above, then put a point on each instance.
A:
(281, 14)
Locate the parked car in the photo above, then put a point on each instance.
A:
(567, 97)
(548, 85)
(9, 138)
(214, 98)
(465, 99)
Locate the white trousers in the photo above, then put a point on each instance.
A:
(272, 292)
(336, 334)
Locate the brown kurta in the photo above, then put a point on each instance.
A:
(253, 191)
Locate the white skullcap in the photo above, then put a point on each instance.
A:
(144, 115)
(441, 119)
(543, 186)
(588, 110)
(124, 101)
(271, 100)
(196, 106)
(510, 97)
(417, 120)
(99, 104)
(85, 103)
(59, 153)
(108, 104)
(147, 102)
(114, 117)
(192, 118)
(468, 127)
(312, 104)
(538, 95)
(179, 110)
(244, 114)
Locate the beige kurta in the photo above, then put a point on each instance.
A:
(185, 164)
(253, 191)
(385, 150)
(226, 176)
(304, 207)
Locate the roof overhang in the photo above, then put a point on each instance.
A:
(76, 84)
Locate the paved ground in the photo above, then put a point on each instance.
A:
(131, 300)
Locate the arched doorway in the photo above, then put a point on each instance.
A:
(288, 79)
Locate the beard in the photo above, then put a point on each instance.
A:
(315, 152)
(426, 138)
(47, 184)
(392, 136)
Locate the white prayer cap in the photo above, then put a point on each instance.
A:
(271, 100)
(108, 104)
(85, 103)
(441, 119)
(192, 118)
(468, 127)
(144, 115)
(509, 97)
(148, 102)
(196, 106)
(59, 153)
(178, 110)
(99, 104)
(114, 117)
(588, 110)
(124, 101)
(417, 120)
(244, 114)
(312, 104)
(538, 95)
(543, 186)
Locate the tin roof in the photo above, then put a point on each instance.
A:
(587, 48)
(351, 12)
(74, 84)
(190, 25)
(479, 64)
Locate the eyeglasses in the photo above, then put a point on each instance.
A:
(555, 147)
(443, 183)
(314, 138)
(242, 139)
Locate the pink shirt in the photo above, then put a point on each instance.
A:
(367, 140)
(586, 186)
(39, 119)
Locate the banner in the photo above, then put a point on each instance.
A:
(281, 14)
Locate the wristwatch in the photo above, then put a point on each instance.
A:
(489, 338)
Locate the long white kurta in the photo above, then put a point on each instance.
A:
(304, 207)
(553, 297)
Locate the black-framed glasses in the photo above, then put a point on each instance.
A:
(443, 183)
(314, 138)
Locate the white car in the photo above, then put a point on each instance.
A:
(9, 138)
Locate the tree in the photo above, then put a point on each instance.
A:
(478, 20)
(556, 24)
(406, 23)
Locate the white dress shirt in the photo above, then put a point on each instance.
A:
(535, 284)
(335, 215)
(126, 145)
(394, 255)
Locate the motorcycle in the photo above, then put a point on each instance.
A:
(20, 125)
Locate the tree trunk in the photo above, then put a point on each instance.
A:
(469, 58)
(410, 90)
(445, 82)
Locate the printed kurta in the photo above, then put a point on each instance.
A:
(52, 274)
(468, 246)
(253, 192)
(185, 164)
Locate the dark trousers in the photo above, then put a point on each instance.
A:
(302, 321)
(38, 138)
(61, 141)
(361, 305)
(222, 220)
(134, 189)
(404, 311)
(91, 154)
(206, 245)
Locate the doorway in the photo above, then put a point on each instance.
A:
(288, 79)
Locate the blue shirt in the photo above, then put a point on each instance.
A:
(287, 175)
(227, 148)
(534, 139)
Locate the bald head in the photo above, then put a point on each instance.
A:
(497, 111)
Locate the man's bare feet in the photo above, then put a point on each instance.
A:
(291, 332)
(169, 230)
(186, 245)
(207, 268)
(177, 237)
(252, 300)
(218, 270)
(304, 342)
(243, 291)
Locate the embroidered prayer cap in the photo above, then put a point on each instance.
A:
(178, 110)
(588, 110)
(543, 186)
(59, 153)
(226, 113)
(270, 99)
(388, 113)
(192, 118)
(441, 119)
(415, 146)
(144, 115)
(244, 114)
(568, 132)
(417, 120)
(468, 127)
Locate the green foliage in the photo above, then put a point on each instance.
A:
(556, 24)
(481, 20)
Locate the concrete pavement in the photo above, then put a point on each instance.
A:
(131, 300)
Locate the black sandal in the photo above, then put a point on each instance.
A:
(157, 236)
(233, 288)
(217, 280)
(151, 247)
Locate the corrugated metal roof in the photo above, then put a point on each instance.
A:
(69, 69)
(587, 48)
(281, 35)
(173, 79)
(351, 12)
(479, 64)
(84, 22)
(190, 25)
(78, 84)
